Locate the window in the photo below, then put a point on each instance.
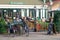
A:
(39, 13)
(32, 13)
(25, 12)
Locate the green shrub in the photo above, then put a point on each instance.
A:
(57, 20)
(44, 25)
(2, 26)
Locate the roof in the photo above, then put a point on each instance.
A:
(56, 0)
(56, 5)
(24, 2)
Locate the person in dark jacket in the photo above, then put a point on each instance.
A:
(51, 27)
(26, 30)
(25, 27)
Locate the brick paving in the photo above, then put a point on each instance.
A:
(32, 36)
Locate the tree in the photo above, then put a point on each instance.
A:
(45, 1)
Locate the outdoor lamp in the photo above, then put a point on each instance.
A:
(5, 10)
(14, 10)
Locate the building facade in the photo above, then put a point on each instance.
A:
(24, 8)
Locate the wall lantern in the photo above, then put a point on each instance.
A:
(14, 10)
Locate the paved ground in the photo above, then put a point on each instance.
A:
(32, 36)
